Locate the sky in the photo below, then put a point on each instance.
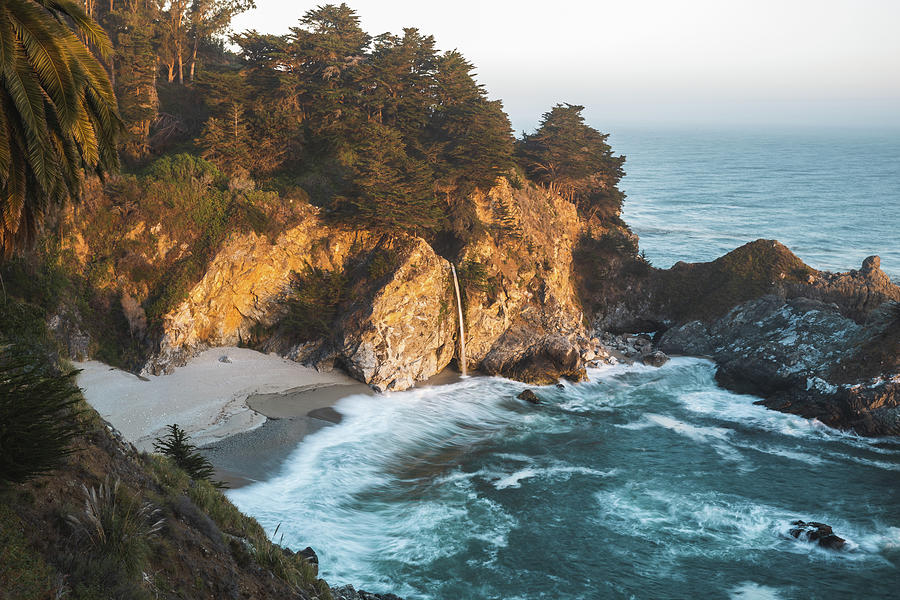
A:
(632, 63)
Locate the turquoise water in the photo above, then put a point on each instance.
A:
(642, 483)
(832, 197)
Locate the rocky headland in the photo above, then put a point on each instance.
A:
(817, 344)
(546, 292)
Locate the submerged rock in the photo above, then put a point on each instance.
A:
(819, 533)
(529, 396)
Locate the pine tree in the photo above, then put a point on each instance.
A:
(38, 418)
(472, 135)
(392, 191)
(177, 446)
(573, 159)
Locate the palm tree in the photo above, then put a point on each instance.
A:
(58, 115)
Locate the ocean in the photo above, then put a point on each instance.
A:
(831, 197)
(643, 482)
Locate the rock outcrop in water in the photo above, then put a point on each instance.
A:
(820, 533)
(816, 344)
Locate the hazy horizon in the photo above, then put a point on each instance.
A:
(801, 63)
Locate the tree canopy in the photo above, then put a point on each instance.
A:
(385, 131)
(574, 159)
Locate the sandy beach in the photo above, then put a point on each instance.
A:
(247, 409)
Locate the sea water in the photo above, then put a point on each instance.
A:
(642, 483)
(833, 197)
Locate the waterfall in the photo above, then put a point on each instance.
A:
(462, 329)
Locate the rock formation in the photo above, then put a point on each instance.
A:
(522, 314)
(820, 533)
(817, 344)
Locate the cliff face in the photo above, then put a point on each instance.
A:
(406, 332)
(523, 317)
(242, 286)
(650, 299)
(522, 314)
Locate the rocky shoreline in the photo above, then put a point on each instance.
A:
(546, 294)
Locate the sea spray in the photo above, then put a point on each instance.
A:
(462, 328)
(643, 482)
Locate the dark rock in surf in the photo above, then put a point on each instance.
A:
(819, 533)
(656, 359)
(312, 558)
(529, 396)
(535, 360)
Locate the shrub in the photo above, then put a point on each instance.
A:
(382, 262)
(38, 418)
(293, 568)
(116, 526)
(313, 302)
(473, 277)
(225, 514)
(184, 168)
(177, 446)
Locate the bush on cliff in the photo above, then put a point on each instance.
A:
(177, 445)
(313, 301)
(37, 415)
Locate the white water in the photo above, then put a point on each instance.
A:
(646, 483)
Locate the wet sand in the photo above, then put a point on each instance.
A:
(258, 454)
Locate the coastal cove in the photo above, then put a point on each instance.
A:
(655, 478)
(306, 313)
(643, 482)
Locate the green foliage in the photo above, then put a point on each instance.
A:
(388, 132)
(575, 160)
(392, 190)
(225, 514)
(382, 262)
(288, 566)
(116, 526)
(184, 168)
(473, 277)
(312, 303)
(177, 446)
(38, 420)
(57, 113)
(24, 574)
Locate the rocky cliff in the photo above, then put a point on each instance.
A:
(522, 314)
(822, 345)
(533, 273)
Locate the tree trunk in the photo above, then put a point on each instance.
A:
(180, 68)
(194, 58)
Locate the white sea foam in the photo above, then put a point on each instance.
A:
(424, 480)
(750, 590)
